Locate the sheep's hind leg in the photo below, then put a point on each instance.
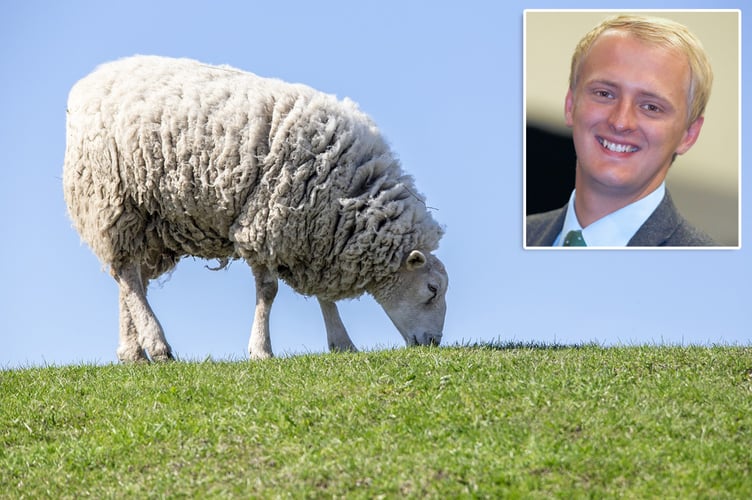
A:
(129, 350)
(260, 344)
(139, 328)
(336, 334)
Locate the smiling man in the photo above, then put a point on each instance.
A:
(638, 88)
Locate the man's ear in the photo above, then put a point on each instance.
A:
(568, 106)
(690, 136)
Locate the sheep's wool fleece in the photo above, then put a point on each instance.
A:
(172, 157)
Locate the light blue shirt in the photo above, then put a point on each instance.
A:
(616, 228)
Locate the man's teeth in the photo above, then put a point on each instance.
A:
(617, 148)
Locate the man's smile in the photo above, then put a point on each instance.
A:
(617, 148)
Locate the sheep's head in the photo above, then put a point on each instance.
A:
(415, 299)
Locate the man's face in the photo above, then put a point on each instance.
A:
(629, 115)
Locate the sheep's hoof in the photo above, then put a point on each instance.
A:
(162, 357)
(130, 355)
(257, 356)
(342, 348)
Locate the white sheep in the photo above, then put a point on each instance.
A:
(170, 157)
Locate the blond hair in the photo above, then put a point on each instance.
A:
(662, 32)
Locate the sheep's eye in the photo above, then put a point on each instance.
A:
(434, 292)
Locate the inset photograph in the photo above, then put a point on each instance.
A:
(632, 129)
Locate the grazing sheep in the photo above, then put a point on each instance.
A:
(170, 157)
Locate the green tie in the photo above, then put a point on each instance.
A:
(574, 239)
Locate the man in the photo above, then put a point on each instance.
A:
(638, 88)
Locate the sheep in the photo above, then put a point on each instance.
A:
(167, 158)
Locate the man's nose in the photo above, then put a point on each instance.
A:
(622, 118)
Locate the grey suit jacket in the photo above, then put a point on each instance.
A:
(664, 228)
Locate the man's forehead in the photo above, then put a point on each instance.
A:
(616, 54)
(615, 39)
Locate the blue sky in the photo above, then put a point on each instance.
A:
(443, 80)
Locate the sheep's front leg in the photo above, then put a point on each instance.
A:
(336, 334)
(260, 344)
(139, 328)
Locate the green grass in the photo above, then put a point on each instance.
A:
(472, 421)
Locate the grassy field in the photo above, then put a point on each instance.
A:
(487, 421)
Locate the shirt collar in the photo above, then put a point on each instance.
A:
(616, 228)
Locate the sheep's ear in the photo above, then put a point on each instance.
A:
(415, 260)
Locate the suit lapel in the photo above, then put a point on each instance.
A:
(551, 228)
(659, 227)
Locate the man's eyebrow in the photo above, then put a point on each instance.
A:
(600, 81)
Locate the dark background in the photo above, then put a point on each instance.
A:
(550, 166)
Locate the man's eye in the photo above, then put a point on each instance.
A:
(652, 108)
